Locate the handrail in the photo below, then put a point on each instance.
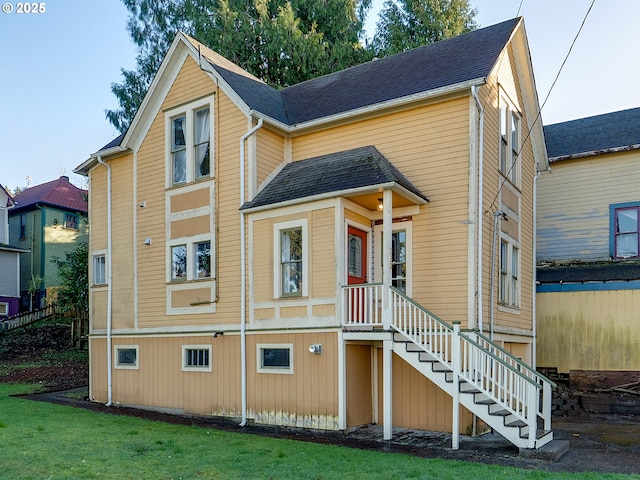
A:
(518, 361)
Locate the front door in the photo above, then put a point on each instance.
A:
(357, 256)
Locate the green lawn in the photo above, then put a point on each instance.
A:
(45, 441)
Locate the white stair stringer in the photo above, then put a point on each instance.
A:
(472, 397)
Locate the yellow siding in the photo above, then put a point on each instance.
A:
(160, 381)
(505, 77)
(190, 200)
(430, 146)
(357, 218)
(270, 153)
(190, 227)
(308, 397)
(262, 264)
(589, 330)
(187, 298)
(573, 204)
(323, 257)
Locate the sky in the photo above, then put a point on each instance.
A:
(57, 67)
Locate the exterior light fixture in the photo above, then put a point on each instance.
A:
(380, 204)
(147, 241)
(315, 348)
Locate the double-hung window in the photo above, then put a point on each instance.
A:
(189, 134)
(190, 261)
(291, 264)
(510, 124)
(509, 283)
(99, 269)
(625, 230)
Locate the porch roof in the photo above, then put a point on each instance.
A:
(356, 170)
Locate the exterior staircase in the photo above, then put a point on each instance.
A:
(508, 395)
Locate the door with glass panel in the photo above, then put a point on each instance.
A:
(357, 274)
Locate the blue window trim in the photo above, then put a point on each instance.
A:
(612, 226)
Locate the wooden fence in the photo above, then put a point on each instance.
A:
(23, 319)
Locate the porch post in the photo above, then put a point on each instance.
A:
(387, 385)
(387, 220)
(455, 394)
(342, 382)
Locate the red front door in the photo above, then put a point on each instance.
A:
(356, 256)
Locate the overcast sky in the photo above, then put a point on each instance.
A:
(57, 67)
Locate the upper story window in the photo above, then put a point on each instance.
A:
(99, 269)
(71, 221)
(190, 260)
(509, 286)
(291, 266)
(189, 134)
(23, 226)
(510, 124)
(625, 230)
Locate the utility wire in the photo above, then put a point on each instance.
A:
(518, 12)
(542, 106)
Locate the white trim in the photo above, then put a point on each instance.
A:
(6, 308)
(196, 368)
(126, 366)
(204, 308)
(260, 368)
(277, 279)
(94, 256)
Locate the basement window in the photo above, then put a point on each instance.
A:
(196, 358)
(127, 357)
(275, 358)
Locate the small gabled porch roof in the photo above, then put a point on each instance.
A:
(360, 171)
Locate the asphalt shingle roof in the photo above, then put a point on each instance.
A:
(58, 193)
(349, 169)
(593, 134)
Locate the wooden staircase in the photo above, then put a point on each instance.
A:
(508, 395)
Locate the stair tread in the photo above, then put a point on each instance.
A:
(500, 413)
(516, 423)
(539, 434)
(486, 401)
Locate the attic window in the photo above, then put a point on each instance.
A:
(70, 221)
(189, 147)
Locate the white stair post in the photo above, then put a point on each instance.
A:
(455, 365)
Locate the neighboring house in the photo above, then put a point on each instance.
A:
(9, 261)
(588, 248)
(49, 220)
(268, 254)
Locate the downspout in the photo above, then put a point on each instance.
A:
(474, 93)
(243, 278)
(535, 262)
(109, 285)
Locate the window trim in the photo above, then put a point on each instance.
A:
(6, 308)
(513, 170)
(196, 368)
(277, 251)
(505, 294)
(94, 256)
(76, 218)
(23, 226)
(126, 366)
(188, 111)
(190, 244)
(612, 227)
(407, 226)
(261, 347)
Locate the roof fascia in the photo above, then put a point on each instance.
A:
(343, 193)
(89, 163)
(524, 67)
(369, 109)
(592, 153)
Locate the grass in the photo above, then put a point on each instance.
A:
(41, 440)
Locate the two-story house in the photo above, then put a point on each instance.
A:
(49, 220)
(588, 245)
(354, 249)
(9, 261)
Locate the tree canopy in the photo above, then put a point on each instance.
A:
(73, 272)
(282, 42)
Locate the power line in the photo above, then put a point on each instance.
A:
(543, 104)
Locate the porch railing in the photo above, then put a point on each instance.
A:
(473, 357)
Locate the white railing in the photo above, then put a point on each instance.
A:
(472, 357)
(363, 307)
(16, 321)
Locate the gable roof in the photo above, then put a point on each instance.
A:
(358, 168)
(610, 132)
(10, 201)
(455, 61)
(57, 193)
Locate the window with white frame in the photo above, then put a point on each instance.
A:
(99, 269)
(509, 282)
(510, 122)
(126, 356)
(196, 358)
(189, 134)
(275, 358)
(625, 230)
(190, 260)
(291, 266)
(401, 255)
(4, 308)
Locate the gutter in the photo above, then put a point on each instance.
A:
(243, 276)
(592, 153)
(109, 285)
